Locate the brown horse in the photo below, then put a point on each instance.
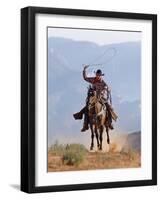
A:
(97, 114)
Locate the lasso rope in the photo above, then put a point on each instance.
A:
(94, 62)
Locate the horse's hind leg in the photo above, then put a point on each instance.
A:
(96, 133)
(101, 137)
(92, 137)
(108, 138)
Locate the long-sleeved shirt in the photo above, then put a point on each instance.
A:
(99, 85)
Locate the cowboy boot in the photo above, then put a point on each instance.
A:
(85, 124)
(79, 115)
(110, 122)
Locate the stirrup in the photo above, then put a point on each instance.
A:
(111, 126)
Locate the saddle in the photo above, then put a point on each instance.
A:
(103, 101)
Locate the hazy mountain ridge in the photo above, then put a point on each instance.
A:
(67, 89)
(133, 141)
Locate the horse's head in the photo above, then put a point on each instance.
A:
(92, 99)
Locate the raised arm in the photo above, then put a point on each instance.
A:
(88, 79)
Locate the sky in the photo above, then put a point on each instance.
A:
(97, 36)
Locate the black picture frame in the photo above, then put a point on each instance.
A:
(28, 98)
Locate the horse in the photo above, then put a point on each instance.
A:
(97, 114)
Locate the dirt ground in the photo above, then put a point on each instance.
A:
(97, 160)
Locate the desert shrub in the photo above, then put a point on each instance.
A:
(57, 149)
(74, 154)
(131, 153)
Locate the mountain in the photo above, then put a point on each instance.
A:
(133, 142)
(130, 142)
(66, 56)
(67, 89)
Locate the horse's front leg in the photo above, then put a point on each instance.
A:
(92, 137)
(108, 138)
(101, 137)
(96, 133)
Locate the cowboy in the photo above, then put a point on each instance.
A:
(99, 86)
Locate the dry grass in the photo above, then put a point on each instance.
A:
(95, 160)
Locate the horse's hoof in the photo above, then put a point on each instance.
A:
(100, 148)
(91, 148)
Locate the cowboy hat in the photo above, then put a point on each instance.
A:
(99, 72)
